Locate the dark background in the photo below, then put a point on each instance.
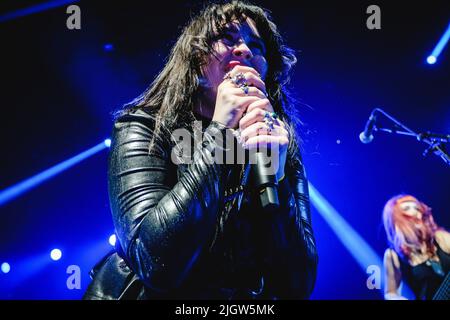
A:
(60, 86)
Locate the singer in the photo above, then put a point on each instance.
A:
(196, 230)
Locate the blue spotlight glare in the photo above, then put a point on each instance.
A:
(6, 267)
(56, 254)
(107, 143)
(353, 242)
(431, 60)
(112, 240)
(16, 190)
(35, 9)
(108, 47)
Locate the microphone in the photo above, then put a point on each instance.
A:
(264, 178)
(366, 136)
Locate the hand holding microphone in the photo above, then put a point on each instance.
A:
(242, 102)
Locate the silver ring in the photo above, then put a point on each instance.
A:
(269, 122)
(244, 88)
(270, 118)
(239, 80)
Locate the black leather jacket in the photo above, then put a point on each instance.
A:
(192, 231)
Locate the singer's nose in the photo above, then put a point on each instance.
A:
(241, 50)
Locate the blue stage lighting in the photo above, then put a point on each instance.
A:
(112, 240)
(431, 60)
(16, 190)
(35, 9)
(6, 267)
(108, 47)
(56, 254)
(361, 251)
(107, 143)
(353, 242)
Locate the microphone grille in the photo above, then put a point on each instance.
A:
(365, 139)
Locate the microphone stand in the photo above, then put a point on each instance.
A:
(435, 141)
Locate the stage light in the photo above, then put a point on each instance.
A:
(112, 240)
(353, 242)
(108, 47)
(35, 9)
(361, 251)
(431, 60)
(6, 267)
(56, 254)
(107, 143)
(20, 188)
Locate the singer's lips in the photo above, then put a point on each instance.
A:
(233, 64)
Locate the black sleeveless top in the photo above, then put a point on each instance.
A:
(425, 278)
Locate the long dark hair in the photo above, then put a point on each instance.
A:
(172, 95)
